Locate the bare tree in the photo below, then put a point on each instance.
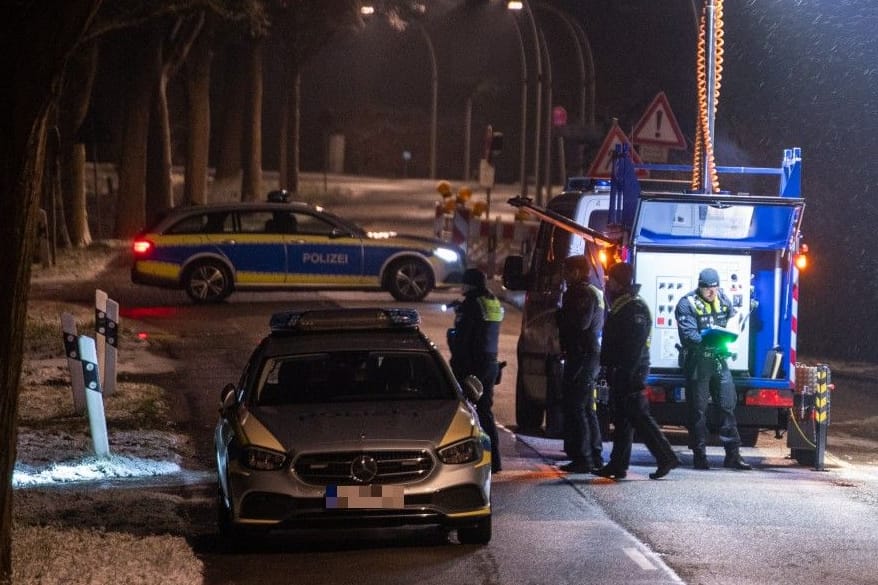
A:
(36, 41)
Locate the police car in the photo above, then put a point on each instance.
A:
(210, 251)
(351, 417)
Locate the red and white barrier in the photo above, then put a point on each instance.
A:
(488, 243)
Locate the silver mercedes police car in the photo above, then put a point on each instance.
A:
(351, 417)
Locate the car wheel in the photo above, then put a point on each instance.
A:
(478, 533)
(207, 282)
(409, 280)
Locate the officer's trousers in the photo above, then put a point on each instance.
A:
(582, 432)
(631, 413)
(710, 378)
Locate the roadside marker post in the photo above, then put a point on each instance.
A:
(107, 338)
(97, 420)
(74, 364)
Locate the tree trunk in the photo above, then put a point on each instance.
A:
(159, 187)
(251, 180)
(42, 35)
(197, 71)
(228, 164)
(75, 97)
(131, 203)
(292, 133)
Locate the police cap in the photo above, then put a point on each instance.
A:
(475, 278)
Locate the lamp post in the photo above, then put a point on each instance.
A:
(523, 136)
(538, 106)
(434, 99)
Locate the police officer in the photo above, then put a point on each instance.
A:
(474, 344)
(580, 319)
(625, 355)
(707, 371)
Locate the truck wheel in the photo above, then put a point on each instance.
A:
(528, 412)
(409, 280)
(207, 281)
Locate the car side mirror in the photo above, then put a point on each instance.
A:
(338, 233)
(472, 388)
(513, 273)
(227, 397)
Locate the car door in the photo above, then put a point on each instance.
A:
(323, 253)
(255, 249)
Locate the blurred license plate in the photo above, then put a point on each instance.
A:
(365, 496)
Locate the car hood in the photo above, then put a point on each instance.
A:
(396, 238)
(309, 426)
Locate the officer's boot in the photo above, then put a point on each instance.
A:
(733, 460)
(700, 459)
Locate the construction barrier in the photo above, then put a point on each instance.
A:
(486, 243)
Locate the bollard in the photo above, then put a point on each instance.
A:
(74, 364)
(97, 420)
(821, 414)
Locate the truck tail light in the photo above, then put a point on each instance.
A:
(769, 397)
(656, 394)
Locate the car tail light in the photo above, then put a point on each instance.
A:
(141, 247)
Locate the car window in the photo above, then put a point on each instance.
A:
(191, 224)
(347, 376)
(311, 224)
(255, 222)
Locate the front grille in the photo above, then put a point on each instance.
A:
(338, 468)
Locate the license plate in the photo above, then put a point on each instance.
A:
(365, 496)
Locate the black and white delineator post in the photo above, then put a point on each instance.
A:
(107, 338)
(97, 420)
(71, 350)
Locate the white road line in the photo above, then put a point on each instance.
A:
(638, 557)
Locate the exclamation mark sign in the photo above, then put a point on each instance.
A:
(658, 123)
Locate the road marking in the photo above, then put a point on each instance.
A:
(639, 558)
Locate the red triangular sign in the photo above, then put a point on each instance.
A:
(658, 126)
(602, 166)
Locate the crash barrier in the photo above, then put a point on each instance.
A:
(486, 243)
(809, 419)
(92, 365)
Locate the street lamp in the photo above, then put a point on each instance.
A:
(525, 6)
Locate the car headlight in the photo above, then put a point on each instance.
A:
(465, 451)
(262, 459)
(447, 254)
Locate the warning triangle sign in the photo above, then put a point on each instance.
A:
(658, 126)
(602, 165)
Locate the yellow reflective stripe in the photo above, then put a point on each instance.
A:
(599, 294)
(267, 278)
(166, 270)
(492, 310)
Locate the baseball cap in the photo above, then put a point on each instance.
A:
(708, 277)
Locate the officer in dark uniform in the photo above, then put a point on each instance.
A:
(625, 355)
(580, 320)
(474, 343)
(707, 371)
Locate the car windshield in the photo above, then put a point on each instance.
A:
(348, 376)
(346, 224)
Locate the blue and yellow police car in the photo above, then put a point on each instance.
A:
(213, 250)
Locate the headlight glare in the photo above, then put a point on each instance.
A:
(262, 459)
(447, 254)
(465, 451)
